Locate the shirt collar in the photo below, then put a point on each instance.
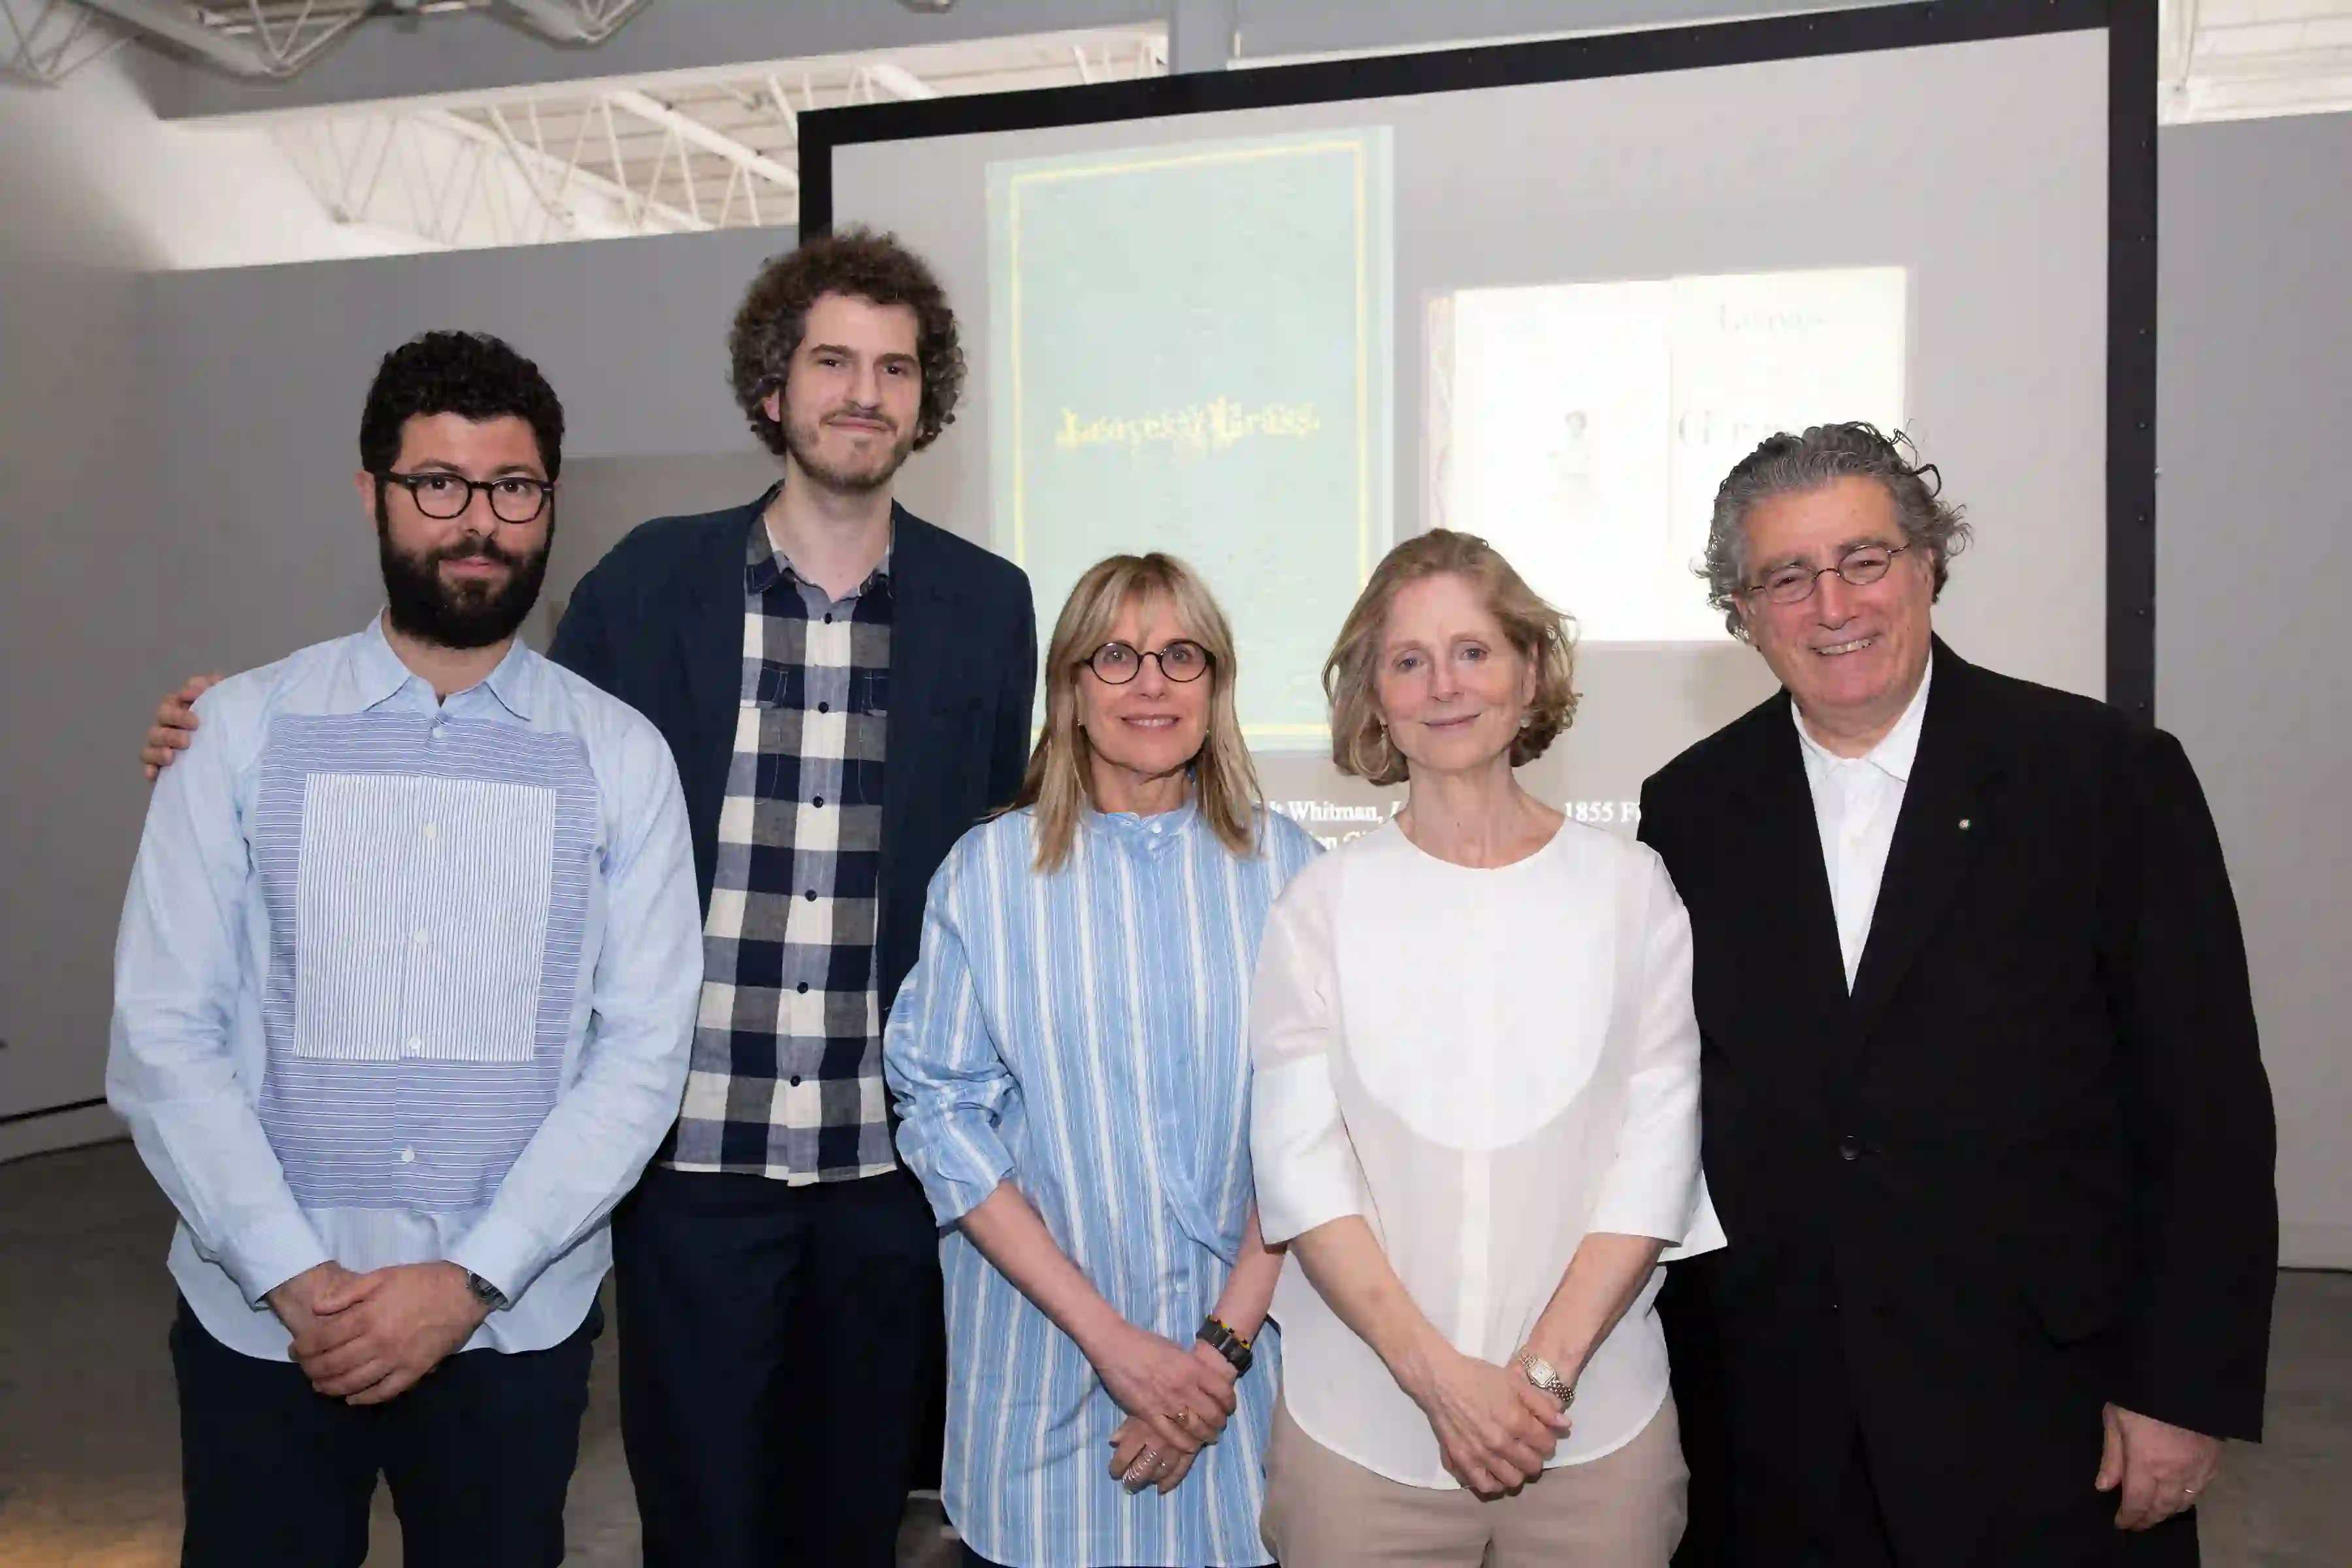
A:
(381, 675)
(1128, 827)
(765, 566)
(1896, 750)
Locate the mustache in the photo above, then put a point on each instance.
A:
(474, 547)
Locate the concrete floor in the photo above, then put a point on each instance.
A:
(90, 1447)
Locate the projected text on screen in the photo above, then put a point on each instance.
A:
(1583, 428)
(1189, 352)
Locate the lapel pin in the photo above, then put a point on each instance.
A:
(1964, 824)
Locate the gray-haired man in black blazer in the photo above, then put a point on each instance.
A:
(1984, 1114)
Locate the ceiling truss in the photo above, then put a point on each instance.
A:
(716, 149)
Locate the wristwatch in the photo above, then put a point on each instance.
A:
(1227, 1343)
(1541, 1372)
(488, 1294)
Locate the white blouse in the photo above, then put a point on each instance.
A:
(1487, 1065)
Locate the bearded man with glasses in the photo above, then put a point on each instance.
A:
(1984, 1115)
(404, 1001)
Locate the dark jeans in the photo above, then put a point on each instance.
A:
(772, 1340)
(478, 1455)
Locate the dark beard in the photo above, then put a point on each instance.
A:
(802, 446)
(464, 614)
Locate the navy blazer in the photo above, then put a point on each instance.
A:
(658, 623)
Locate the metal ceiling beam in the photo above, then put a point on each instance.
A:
(690, 130)
(899, 82)
(573, 21)
(548, 164)
(241, 56)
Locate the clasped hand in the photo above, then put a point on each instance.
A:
(1176, 1400)
(368, 1338)
(1494, 1429)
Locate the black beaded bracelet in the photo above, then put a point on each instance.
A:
(1228, 1344)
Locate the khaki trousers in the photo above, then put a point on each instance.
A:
(1624, 1509)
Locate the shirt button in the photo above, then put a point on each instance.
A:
(1849, 1147)
(802, 988)
(796, 1080)
(824, 707)
(408, 1156)
(415, 1043)
(431, 832)
(435, 734)
(818, 803)
(810, 895)
(421, 939)
(828, 617)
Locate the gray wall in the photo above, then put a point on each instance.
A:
(80, 551)
(2254, 556)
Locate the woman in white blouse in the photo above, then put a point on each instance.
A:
(1475, 1119)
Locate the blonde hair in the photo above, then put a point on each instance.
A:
(1059, 782)
(1542, 635)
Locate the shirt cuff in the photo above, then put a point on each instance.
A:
(1304, 1167)
(1688, 1229)
(271, 1252)
(502, 1251)
(957, 1175)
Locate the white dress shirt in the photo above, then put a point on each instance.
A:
(1856, 801)
(1487, 1065)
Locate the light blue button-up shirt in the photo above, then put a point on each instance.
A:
(1085, 1036)
(401, 979)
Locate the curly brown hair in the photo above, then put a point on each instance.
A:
(866, 266)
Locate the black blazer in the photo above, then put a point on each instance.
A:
(658, 623)
(2024, 1169)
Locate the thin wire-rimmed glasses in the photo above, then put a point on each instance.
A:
(514, 498)
(1794, 584)
(1115, 663)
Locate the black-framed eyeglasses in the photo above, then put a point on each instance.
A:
(1115, 663)
(1794, 584)
(514, 498)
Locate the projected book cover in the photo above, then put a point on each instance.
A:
(1191, 352)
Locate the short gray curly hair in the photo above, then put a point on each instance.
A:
(1786, 464)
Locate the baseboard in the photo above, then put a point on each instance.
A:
(65, 1130)
(2315, 1246)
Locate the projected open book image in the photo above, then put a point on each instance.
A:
(1189, 352)
(1582, 427)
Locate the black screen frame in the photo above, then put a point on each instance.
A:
(2131, 25)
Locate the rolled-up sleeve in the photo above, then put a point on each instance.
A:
(947, 1077)
(1307, 1170)
(588, 1153)
(170, 1069)
(1654, 1187)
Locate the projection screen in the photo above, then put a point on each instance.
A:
(1273, 321)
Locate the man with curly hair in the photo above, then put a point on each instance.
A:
(1984, 1114)
(403, 1000)
(846, 690)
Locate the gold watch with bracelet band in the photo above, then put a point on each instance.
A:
(1544, 1375)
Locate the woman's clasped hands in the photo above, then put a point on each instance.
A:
(1494, 1429)
(1177, 1401)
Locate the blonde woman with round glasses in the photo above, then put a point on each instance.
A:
(1477, 1118)
(1071, 1061)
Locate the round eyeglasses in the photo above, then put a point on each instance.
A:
(514, 498)
(1794, 584)
(1115, 663)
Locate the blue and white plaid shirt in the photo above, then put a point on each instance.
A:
(786, 1079)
